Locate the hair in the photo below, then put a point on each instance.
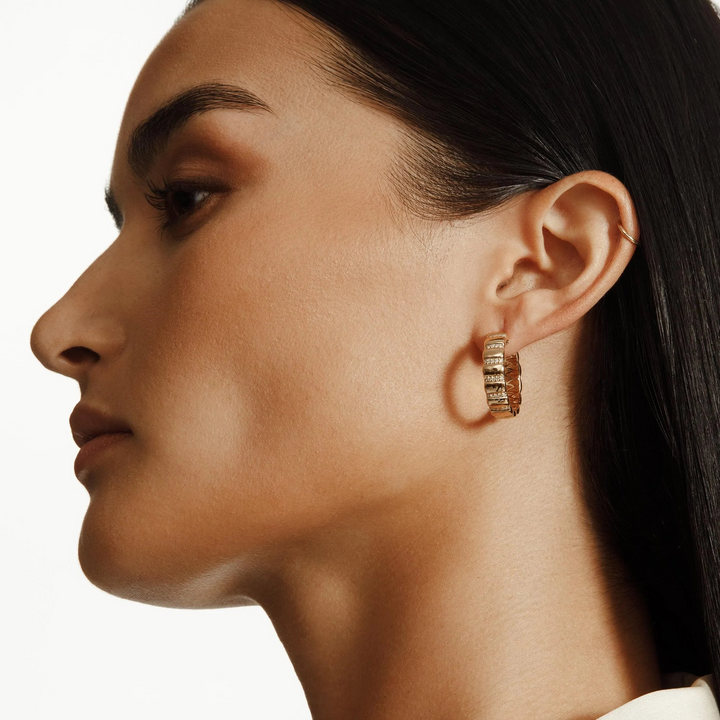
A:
(501, 97)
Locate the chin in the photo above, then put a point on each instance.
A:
(128, 569)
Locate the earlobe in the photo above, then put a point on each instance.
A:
(572, 253)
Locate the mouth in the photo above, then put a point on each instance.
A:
(94, 431)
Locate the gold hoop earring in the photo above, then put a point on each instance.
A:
(503, 379)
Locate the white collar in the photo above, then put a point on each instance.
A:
(688, 697)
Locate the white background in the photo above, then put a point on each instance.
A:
(67, 648)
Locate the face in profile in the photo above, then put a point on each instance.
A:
(271, 326)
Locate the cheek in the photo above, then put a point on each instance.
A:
(312, 373)
(282, 388)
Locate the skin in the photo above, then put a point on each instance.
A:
(300, 364)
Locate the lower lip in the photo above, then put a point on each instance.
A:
(90, 450)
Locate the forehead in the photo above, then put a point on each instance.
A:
(261, 45)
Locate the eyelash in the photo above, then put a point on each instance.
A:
(161, 197)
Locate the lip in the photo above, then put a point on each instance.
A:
(91, 449)
(87, 422)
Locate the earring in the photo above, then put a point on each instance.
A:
(503, 381)
(628, 236)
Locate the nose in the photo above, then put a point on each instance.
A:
(83, 328)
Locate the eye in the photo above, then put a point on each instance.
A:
(181, 202)
(178, 201)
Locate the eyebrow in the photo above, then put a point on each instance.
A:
(152, 135)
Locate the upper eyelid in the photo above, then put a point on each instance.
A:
(195, 183)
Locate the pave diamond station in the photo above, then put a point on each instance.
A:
(503, 381)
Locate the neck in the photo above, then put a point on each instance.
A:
(478, 598)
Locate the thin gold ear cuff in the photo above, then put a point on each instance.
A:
(627, 235)
(503, 380)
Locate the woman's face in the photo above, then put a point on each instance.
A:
(280, 350)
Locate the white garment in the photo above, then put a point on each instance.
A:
(687, 697)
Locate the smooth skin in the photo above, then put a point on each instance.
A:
(299, 360)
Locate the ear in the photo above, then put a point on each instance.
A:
(559, 252)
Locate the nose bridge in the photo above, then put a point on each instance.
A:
(88, 318)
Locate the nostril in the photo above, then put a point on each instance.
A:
(79, 354)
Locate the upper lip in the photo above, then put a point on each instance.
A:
(87, 422)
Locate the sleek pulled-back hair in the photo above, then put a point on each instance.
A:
(505, 96)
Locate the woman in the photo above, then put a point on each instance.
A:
(340, 223)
